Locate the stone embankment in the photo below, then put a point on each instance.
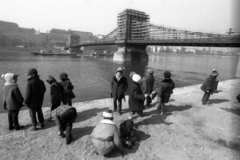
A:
(187, 131)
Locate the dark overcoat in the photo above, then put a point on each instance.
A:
(35, 92)
(149, 83)
(67, 94)
(136, 97)
(165, 90)
(209, 84)
(119, 87)
(56, 90)
(12, 97)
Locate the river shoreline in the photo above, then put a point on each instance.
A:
(188, 130)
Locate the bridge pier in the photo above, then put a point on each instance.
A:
(131, 53)
(237, 75)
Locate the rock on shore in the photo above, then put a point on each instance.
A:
(188, 131)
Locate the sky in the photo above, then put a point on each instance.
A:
(100, 16)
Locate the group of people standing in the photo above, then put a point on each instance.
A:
(106, 136)
(13, 100)
(141, 89)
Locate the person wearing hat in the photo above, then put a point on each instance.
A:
(164, 91)
(136, 96)
(34, 97)
(150, 79)
(105, 136)
(64, 116)
(56, 91)
(12, 100)
(67, 94)
(208, 86)
(119, 86)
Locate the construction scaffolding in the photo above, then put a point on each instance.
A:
(133, 25)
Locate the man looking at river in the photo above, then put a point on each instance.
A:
(34, 97)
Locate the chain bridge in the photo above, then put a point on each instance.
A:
(134, 33)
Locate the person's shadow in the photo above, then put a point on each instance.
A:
(80, 132)
(160, 119)
(87, 114)
(216, 101)
(234, 110)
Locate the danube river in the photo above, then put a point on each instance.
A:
(91, 76)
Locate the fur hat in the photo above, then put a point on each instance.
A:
(32, 71)
(136, 78)
(167, 74)
(50, 79)
(9, 77)
(63, 76)
(150, 71)
(108, 114)
(120, 69)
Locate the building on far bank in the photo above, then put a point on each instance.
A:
(8, 26)
(27, 30)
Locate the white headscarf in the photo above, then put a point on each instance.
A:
(8, 77)
(136, 78)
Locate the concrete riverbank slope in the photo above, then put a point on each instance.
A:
(188, 131)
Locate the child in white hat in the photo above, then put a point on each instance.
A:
(12, 100)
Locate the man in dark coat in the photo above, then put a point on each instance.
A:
(56, 90)
(136, 96)
(149, 85)
(67, 94)
(34, 97)
(12, 100)
(119, 86)
(164, 91)
(209, 86)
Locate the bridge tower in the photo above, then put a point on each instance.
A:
(74, 39)
(133, 27)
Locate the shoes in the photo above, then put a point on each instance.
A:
(19, 127)
(11, 128)
(42, 126)
(69, 141)
(62, 135)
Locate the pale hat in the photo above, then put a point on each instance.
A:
(136, 78)
(214, 72)
(108, 114)
(9, 77)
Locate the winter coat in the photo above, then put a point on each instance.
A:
(149, 83)
(165, 90)
(67, 90)
(35, 92)
(12, 97)
(105, 137)
(136, 97)
(56, 90)
(126, 129)
(119, 87)
(208, 85)
(58, 112)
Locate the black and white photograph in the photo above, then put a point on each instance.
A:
(120, 79)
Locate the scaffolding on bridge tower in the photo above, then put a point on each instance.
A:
(133, 25)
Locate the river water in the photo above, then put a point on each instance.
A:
(91, 76)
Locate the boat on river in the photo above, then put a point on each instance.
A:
(52, 53)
